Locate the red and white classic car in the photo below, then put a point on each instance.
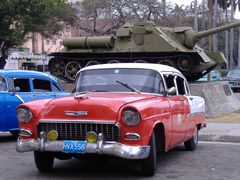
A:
(131, 111)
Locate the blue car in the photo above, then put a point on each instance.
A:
(19, 86)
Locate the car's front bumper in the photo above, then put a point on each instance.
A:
(100, 147)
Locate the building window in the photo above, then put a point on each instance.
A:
(54, 42)
(47, 41)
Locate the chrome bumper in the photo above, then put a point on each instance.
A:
(100, 147)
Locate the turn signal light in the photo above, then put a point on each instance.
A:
(91, 137)
(52, 135)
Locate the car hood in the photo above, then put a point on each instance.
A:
(29, 96)
(92, 106)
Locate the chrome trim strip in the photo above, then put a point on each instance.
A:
(76, 113)
(76, 121)
(17, 95)
(100, 147)
(25, 130)
(134, 134)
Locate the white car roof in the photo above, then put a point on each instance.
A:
(157, 67)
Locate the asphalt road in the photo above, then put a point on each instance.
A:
(211, 161)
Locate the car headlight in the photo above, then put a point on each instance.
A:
(24, 115)
(130, 117)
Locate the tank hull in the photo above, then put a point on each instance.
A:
(194, 69)
(140, 42)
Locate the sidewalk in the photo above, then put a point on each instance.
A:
(224, 132)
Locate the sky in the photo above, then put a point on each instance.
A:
(181, 2)
(188, 2)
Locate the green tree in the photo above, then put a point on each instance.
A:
(19, 17)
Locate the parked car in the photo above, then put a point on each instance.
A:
(233, 77)
(131, 111)
(19, 86)
(214, 75)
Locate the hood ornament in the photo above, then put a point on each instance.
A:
(76, 113)
(81, 95)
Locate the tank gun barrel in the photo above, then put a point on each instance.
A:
(216, 30)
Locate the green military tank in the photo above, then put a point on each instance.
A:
(142, 42)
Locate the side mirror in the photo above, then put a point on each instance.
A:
(172, 91)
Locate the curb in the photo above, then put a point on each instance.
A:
(219, 138)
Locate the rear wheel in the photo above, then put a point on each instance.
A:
(140, 61)
(148, 165)
(184, 64)
(167, 62)
(90, 63)
(191, 144)
(71, 70)
(113, 61)
(43, 161)
(56, 67)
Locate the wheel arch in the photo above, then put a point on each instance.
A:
(199, 126)
(160, 137)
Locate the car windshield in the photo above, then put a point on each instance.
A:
(143, 80)
(234, 73)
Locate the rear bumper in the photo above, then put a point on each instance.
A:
(100, 147)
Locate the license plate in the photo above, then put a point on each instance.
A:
(74, 146)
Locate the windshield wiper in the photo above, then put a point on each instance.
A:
(133, 89)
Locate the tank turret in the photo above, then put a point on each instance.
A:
(140, 42)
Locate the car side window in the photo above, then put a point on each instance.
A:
(180, 86)
(169, 80)
(40, 85)
(21, 85)
(56, 88)
(3, 84)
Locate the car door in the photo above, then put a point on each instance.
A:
(58, 92)
(18, 89)
(197, 112)
(3, 91)
(178, 104)
(42, 88)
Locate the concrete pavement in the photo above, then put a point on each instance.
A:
(223, 132)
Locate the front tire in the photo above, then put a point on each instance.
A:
(43, 161)
(191, 144)
(148, 165)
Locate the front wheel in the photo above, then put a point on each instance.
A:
(148, 165)
(191, 144)
(43, 161)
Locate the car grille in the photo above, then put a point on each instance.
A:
(77, 131)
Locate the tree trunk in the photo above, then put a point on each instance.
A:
(231, 60)
(210, 25)
(227, 42)
(4, 56)
(215, 36)
(203, 15)
(164, 7)
(238, 47)
(195, 15)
